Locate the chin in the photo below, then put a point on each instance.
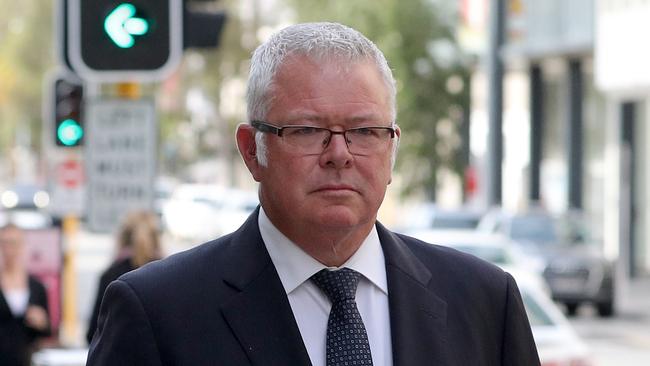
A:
(339, 217)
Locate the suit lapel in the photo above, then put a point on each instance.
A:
(260, 314)
(418, 317)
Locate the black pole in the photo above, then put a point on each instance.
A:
(576, 134)
(465, 153)
(536, 131)
(628, 118)
(495, 102)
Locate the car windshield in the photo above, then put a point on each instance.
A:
(537, 316)
(454, 222)
(537, 229)
(491, 254)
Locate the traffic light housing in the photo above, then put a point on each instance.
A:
(129, 40)
(68, 120)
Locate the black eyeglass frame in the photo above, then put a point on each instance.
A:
(277, 130)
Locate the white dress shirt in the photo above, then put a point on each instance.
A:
(310, 305)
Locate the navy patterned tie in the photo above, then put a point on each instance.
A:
(347, 341)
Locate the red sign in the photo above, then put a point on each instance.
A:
(70, 174)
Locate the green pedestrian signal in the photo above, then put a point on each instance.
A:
(69, 132)
(124, 40)
(122, 25)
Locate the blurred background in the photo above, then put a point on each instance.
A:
(524, 142)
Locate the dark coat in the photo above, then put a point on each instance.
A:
(116, 269)
(222, 303)
(17, 339)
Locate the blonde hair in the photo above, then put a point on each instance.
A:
(140, 236)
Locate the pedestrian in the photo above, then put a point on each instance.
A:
(311, 278)
(24, 317)
(138, 242)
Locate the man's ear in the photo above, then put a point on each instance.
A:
(248, 149)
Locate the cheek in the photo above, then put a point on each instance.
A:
(380, 176)
(288, 176)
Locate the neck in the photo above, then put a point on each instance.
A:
(332, 247)
(334, 253)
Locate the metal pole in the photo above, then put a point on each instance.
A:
(536, 131)
(495, 102)
(465, 154)
(628, 115)
(575, 140)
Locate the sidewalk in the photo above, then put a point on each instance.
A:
(634, 299)
(623, 339)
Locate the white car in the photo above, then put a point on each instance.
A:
(492, 247)
(201, 212)
(557, 343)
(192, 212)
(428, 215)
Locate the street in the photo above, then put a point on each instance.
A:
(625, 338)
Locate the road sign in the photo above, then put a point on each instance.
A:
(134, 40)
(67, 185)
(70, 174)
(120, 159)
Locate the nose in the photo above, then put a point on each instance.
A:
(336, 153)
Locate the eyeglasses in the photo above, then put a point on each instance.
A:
(313, 140)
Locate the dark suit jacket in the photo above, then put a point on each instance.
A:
(115, 270)
(222, 303)
(16, 337)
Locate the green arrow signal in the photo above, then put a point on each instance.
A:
(69, 132)
(121, 25)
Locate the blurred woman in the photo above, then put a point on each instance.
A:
(23, 302)
(138, 243)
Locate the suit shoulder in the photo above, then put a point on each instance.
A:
(451, 263)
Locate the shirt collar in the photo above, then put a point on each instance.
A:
(294, 266)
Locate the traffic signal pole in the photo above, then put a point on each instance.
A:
(70, 323)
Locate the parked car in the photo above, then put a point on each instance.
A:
(26, 219)
(574, 266)
(430, 216)
(557, 343)
(24, 196)
(200, 212)
(492, 247)
(25, 205)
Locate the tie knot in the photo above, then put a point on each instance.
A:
(337, 285)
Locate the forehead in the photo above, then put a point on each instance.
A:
(333, 86)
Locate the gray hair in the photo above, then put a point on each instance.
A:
(319, 41)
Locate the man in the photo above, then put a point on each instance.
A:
(312, 278)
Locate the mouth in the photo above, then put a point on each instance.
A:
(336, 188)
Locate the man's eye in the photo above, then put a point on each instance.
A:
(364, 131)
(303, 131)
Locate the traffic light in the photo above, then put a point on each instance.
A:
(68, 122)
(124, 40)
